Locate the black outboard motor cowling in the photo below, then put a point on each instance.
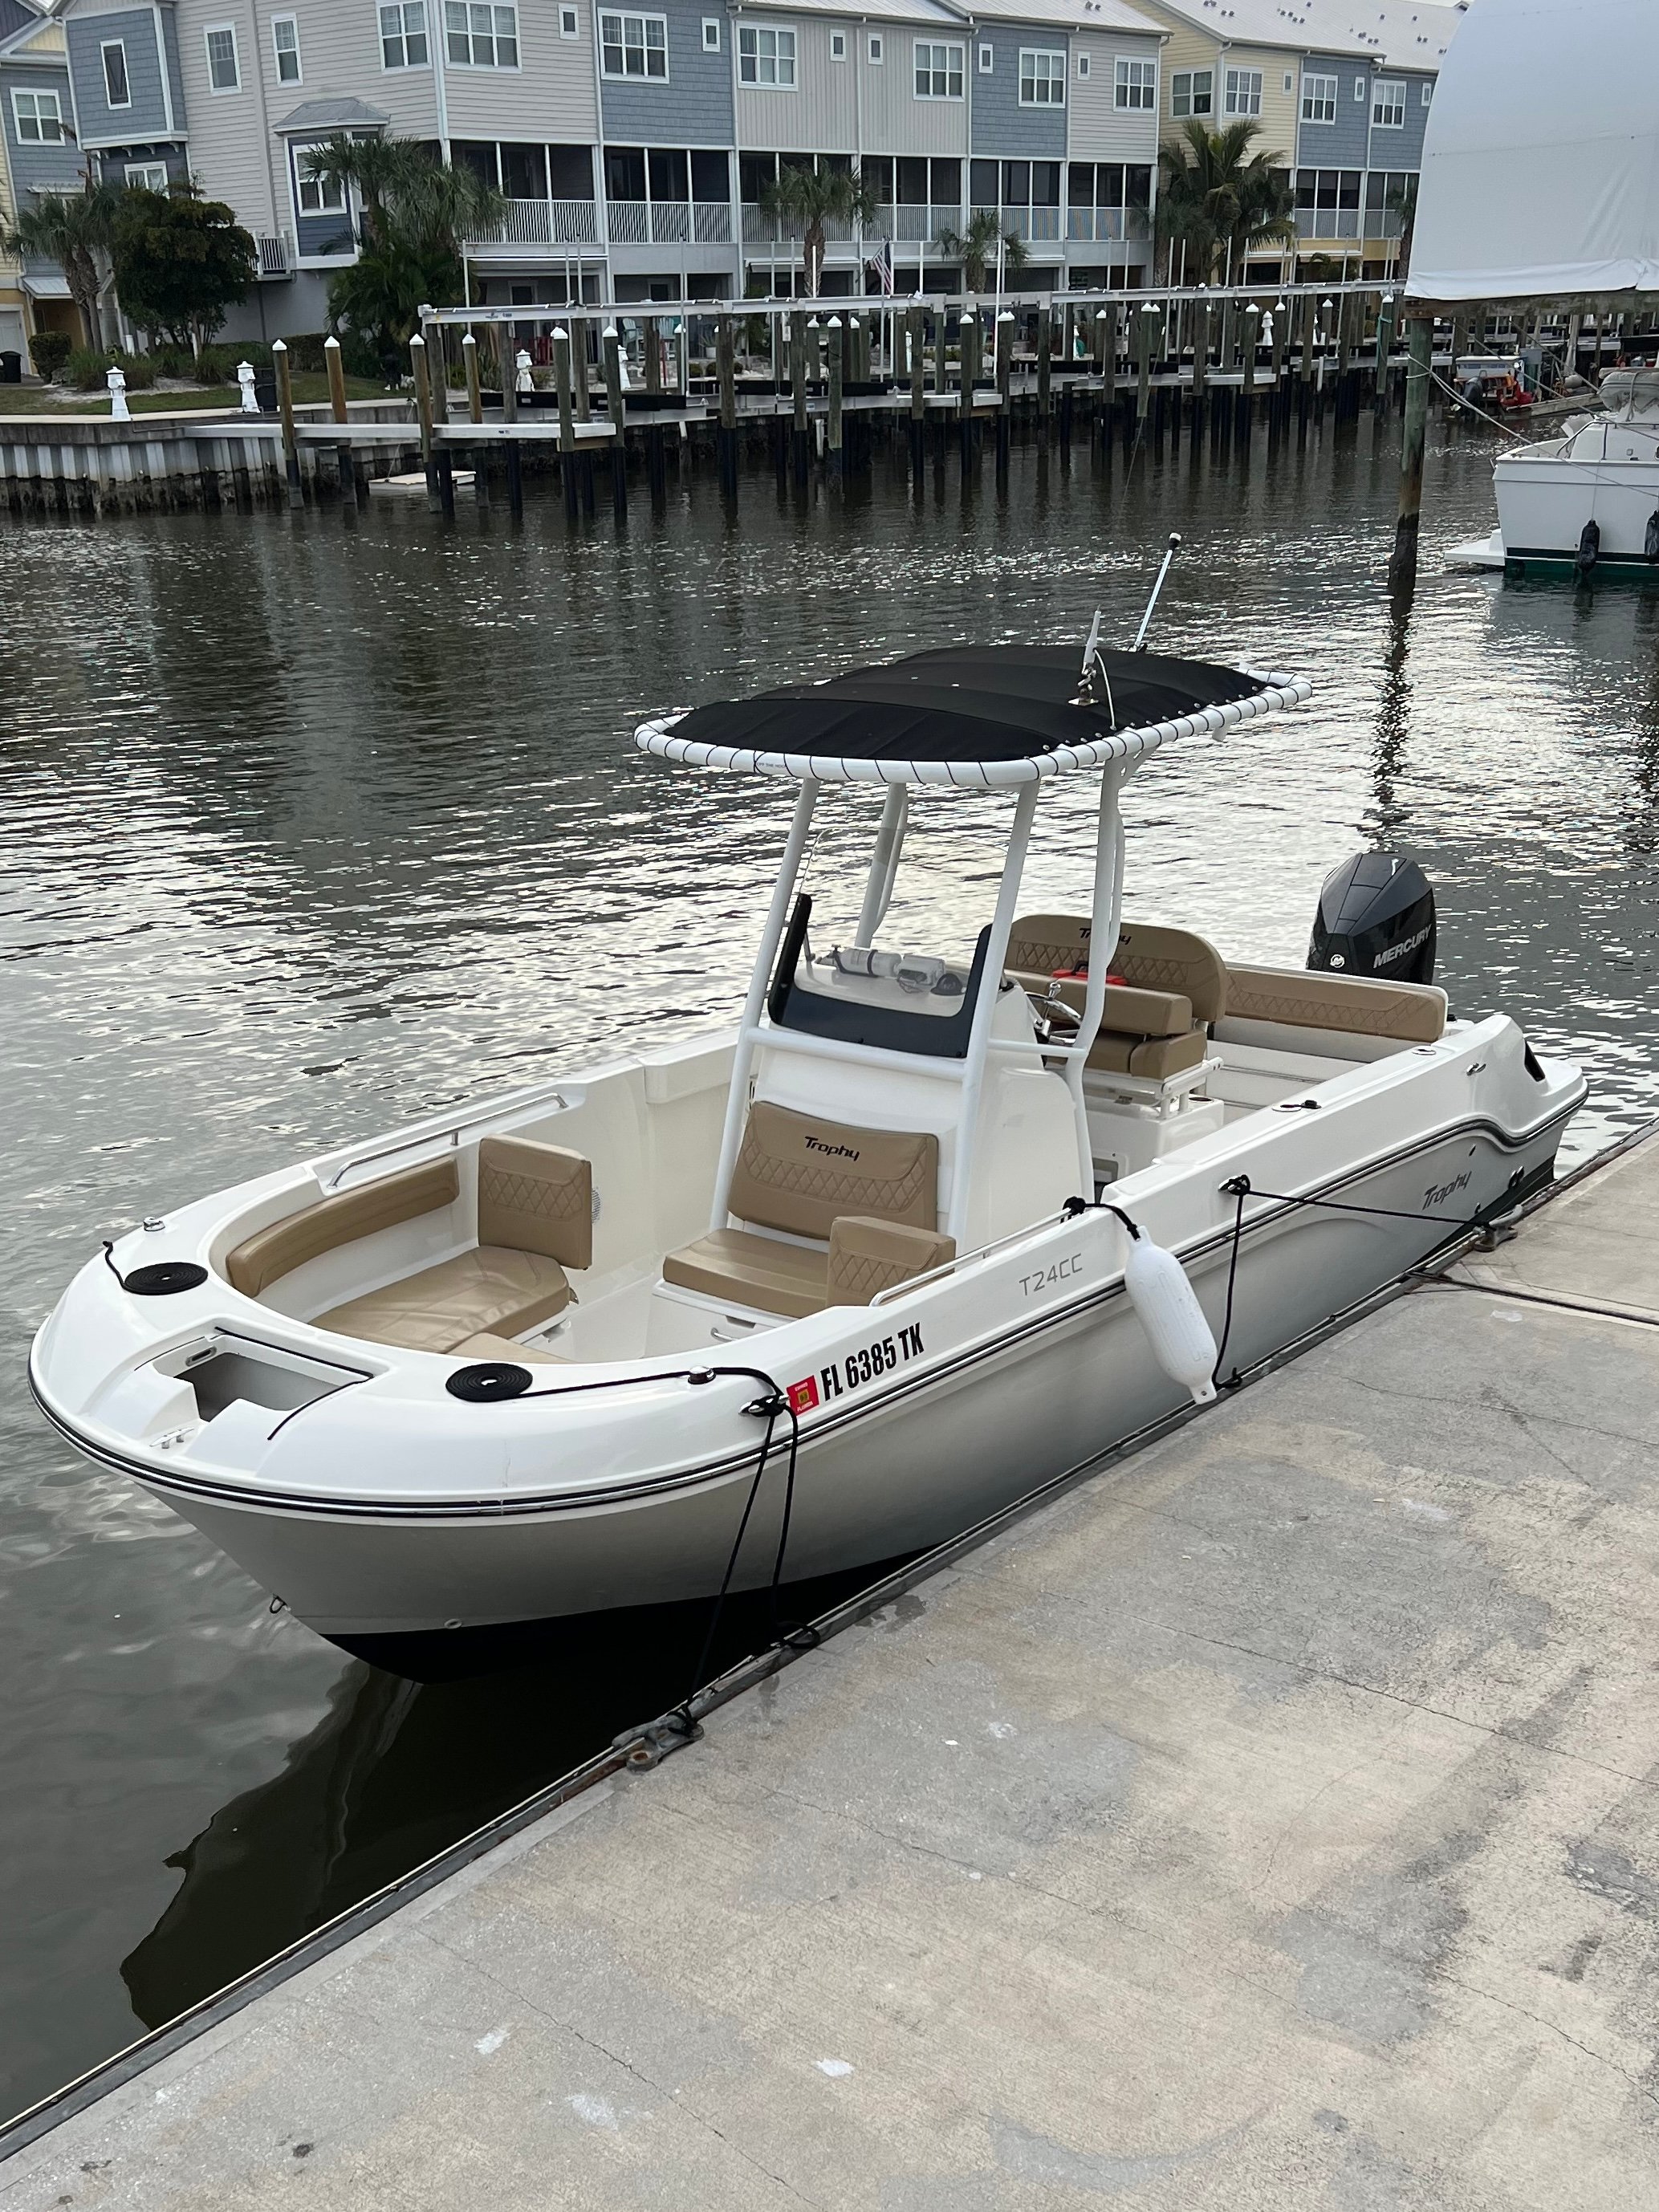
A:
(1376, 918)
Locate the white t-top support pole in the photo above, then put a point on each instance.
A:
(1105, 911)
(883, 863)
(736, 1099)
(984, 1008)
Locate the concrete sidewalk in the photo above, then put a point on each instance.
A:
(1270, 1822)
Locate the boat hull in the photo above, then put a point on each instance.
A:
(1025, 1371)
(1544, 501)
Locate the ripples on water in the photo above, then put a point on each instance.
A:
(308, 829)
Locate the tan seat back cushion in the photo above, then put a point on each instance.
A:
(1415, 1013)
(867, 1256)
(260, 1260)
(1157, 959)
(1148, 957)
(799, 1174)
(536, 1198)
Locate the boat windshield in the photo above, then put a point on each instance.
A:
(899, 1001)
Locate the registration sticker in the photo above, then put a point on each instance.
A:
(803, 1396)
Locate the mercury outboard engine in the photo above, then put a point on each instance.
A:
(1376, 918)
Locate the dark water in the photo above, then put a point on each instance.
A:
(309, 829)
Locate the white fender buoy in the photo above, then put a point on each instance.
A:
(1167, 1307)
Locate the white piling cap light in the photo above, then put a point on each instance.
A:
(330, 340)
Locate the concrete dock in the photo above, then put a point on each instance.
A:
(1270, 1820)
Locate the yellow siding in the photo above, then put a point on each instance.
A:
(1191, 47)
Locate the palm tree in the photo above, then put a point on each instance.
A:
(1402, 202)
(977, 246)
(418, 212)
(1221, 201)
(809, 200)
(74, 230)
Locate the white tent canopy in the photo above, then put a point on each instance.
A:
(1541, 163)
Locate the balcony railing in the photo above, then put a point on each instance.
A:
(543, 222)
(669, 222)
(1037, 225)
(912, 225)
(760, 228)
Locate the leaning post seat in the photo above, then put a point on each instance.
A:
(1170, 987)
(535, 1220)
(868, 1198)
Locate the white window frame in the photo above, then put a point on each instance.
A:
(141, 176)
(876, 50)
(934, 67)
(1241, 85)
(210, 32)
(1319, 90)
(106, 47)
(1428, 94)
(1389, 103)
(413, 22)
(1133, 74)
(570, 23)
(837, 45)
(622, 17)
(39, 137)
(495, 9)
(752, 56)
(302, 183)
(988, 57)
(1041, 76)
(1188, 79)
(1290, 81)
(1359, 90)
(711, 34)
(292, 22)
(1083, 64)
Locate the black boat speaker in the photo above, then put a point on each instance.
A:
(1376, 920)
(489, 1380)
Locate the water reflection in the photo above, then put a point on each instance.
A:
(311, 825)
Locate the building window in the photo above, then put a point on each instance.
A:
(478, 36)
(837, 45)
(1042, 79)
(318, 195)
(1289, 80)
(635, 46)
(39, 118)
(1359, 90)
(1319, 99)
(146, 176)
(875, 48)
(1243, 95)
(569, 23)
(285, 40)
(224, 70)
(766, 57)
(1428, 91)
(1388, 105)
(403, 36)
(938, 71)
(118, 92)
(987, 55)
(1083, 64)
(1136, 86)
(711, 34)
(1192, 92)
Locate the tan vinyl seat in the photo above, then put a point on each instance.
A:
(868, 1198)
(270, 1254)
(1311, 998)
(535, 1218)
(486, 1347)
(1148, 957)
(1144, 1033)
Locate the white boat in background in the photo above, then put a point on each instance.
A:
(934, 1221)
(1587, 500)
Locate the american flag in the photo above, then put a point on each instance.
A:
(883, 265)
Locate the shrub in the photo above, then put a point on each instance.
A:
(174, 361)
(304, 353)
(49, 350)
(88, 366)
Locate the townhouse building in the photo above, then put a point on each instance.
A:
(1340, 90)
(38, 153)
(634, 145)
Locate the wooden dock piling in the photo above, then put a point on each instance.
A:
(1402, 568)
(296, 496)
(726, 372)
(615, 408)
(836, 458)
(506, 356)
(345, 464)
(423, 417)
(800, 449)
(1005, 360)
(915, 329)
(567, 419)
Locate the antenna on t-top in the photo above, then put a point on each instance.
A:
(1164, 570)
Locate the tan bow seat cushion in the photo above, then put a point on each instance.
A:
(489, 1290)
(487, 1346)
(745, 1270)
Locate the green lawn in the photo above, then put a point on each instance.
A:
(33, 399)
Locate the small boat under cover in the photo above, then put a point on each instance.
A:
(520, 1364)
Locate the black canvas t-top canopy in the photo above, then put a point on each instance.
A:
(971, 715)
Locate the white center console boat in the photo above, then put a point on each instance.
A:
(1587, 500)
(521, 1365)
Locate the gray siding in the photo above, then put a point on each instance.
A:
(101, 124)
(318, 234)
(14, 16)
(1340, 145)
(1401, 149)
(1000, 125)
(43, 168)
(694, 107)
